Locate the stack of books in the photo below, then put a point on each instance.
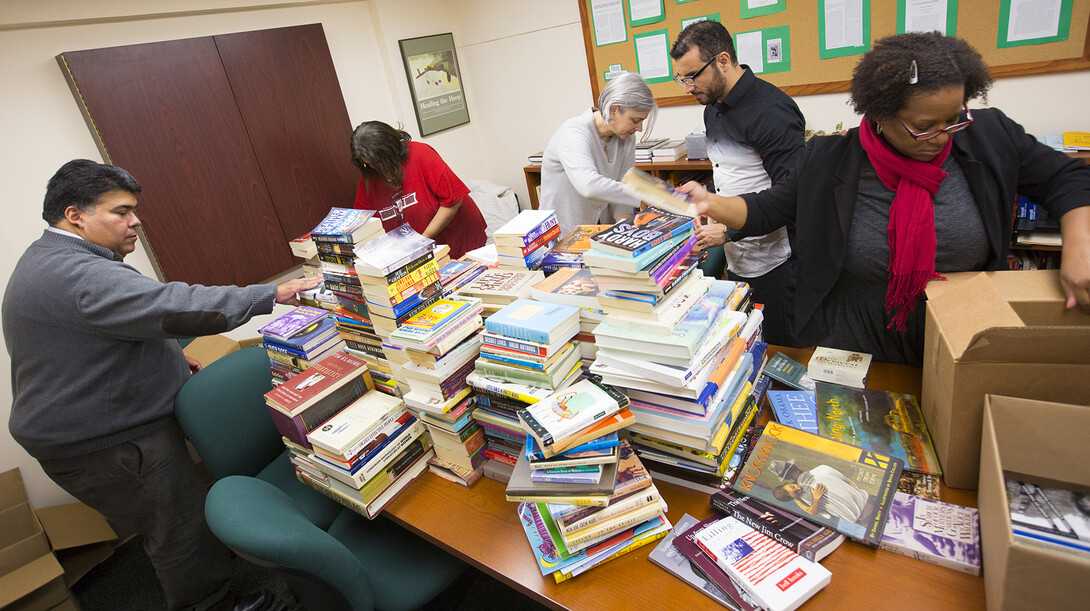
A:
(645, 149)
(456, 274)
(361, 341)
(365, 454)
(498, 287)
(435, 351)
(305, 248)
(336, 238)
(527, 325)
(668, 151)
(523, 242)
(305, 401)
(399, 277)
(298, 339)
(568, 252)
(580, 413)
(498, 403)
(572, 532)
(578, 287)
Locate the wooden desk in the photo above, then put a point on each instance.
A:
(478, 525)
(662, 169)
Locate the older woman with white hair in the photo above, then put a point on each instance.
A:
(586, 158)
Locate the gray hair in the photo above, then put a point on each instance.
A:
(628, 91)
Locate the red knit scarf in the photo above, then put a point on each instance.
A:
(911, 230)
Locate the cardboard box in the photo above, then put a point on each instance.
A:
(31, 578)
(1044, 443)
(79, 536)
(208, 348)
(1004, 333)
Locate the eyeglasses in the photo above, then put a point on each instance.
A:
(691, 79)
(957, 127)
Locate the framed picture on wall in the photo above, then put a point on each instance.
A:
(435, 81)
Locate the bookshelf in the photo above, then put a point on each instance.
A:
(1041, 254)
(670, 171)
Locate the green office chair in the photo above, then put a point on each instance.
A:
(222, 411)
(358, 564)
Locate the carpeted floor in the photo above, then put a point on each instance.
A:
(127, 581)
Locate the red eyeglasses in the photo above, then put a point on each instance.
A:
(957, 127)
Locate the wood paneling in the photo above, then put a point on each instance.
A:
(287, 91)
(240, 142)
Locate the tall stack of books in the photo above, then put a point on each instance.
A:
(318, 297)
(572, 530)
(569, 251)
(647, 272)
(439, 346)
(361, 341)
(498, 287)
(498, 403)
(298, 339)
(365, 454)
(336, 238)
(575, 286)
(399, 277)
(523, 242)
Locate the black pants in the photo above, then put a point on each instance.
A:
(771, 289)
(150, 486)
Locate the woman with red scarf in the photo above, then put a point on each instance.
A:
(922, 187)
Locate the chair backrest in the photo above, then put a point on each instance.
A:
(222, 411)
(259, 521)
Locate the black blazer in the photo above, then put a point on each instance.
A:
(816, 201)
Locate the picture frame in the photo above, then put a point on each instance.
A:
(434, 74)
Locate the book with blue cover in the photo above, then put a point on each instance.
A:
(313, 337)
(641, 233)
(535, 321)
(346, 225)
(294, 323)
(596, 257)
(391, 251)
(795, 408)
(533, 451)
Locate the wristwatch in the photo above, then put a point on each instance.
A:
(726, 235)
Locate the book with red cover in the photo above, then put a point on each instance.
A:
(308, 399)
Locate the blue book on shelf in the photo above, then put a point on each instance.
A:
(535, 321)
(795, 408)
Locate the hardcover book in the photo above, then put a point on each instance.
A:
(535, 321)
(572, 286)
(844, 487)
(388, 252)
(886, 422)
(778, 578)
(795, 408)
(805, 538)
(346, 225)
(788, 372)
(578, 239)
(667, 556)
(646, 230)
(940, 533)
(843, 367)
(293, 323)
(318, 382)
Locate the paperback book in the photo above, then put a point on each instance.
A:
(572, 286)
(687, 545)
(578, 239)
(346, 225)
(940, 533)
(805, 538)
(844, 487)
(667, 556)
(644, 231)
(501, 286)
(788, 372)
(657, 192)
(1050, 517)
(845, 367)
(293, 323)
(795, 408)
(390, 251)
(535, 321)
(571, 410)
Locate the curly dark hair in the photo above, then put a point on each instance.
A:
(378, 150)
(711, 37)
(880, 83)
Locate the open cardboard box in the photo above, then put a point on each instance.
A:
(31, 578)
(208, 348)
(1004, 333)
(1044, 443)
(80, 537)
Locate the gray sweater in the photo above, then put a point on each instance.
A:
(94, 356)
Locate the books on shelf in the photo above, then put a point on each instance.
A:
(671, 150)
(940, 533)
(347, 226)
(657, 192)
(844, 487)
(805, 538)
(779, 579)
(886, 422)
(845, 367)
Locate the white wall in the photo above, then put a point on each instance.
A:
(523, 65)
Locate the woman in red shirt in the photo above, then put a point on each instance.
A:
(408, 182)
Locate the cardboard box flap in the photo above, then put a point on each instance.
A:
(74, 524)
(27, 578)
(1016, 421)
(966, 306)
(12, 491)
(1030, 345)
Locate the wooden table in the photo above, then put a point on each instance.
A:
(479, 525)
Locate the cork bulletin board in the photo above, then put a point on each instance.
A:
(798, 67)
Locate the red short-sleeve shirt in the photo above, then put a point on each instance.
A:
(428, 183)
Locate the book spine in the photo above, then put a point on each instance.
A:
(592, 535)
(271, 347)
(539, 231)
(517, 332)
(514, 362)
(340, 287)
(516, 345)
(615, 508)
(482, 383)
(334, 238)
(502, 457)
(337, 248)
(508, 374)
(387, 455)
(540, 241)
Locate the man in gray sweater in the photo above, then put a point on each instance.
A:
(95, 366)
